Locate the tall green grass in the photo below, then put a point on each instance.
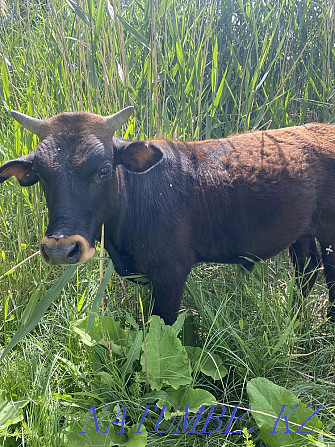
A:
(192, 69)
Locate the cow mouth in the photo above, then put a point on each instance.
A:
(65, 249)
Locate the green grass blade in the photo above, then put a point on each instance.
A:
(214, 65)
(135, 33)
(79, 11)
(39, 310)
(99, 295)
(98, 22)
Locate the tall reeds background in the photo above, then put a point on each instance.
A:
(191, 69)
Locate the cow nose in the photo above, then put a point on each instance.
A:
(58, 251)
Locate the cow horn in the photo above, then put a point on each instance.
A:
(115, 121)
(35, 125)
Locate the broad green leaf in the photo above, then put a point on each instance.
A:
(194, 398)
(167, 358)
(10, 411)
(106, 332)
(40, 309)
(137, 439)
(112, 330)
(213, 367)
(208, 363)
(268, 399)
(72, 437)
(90, 338)
(106, 379)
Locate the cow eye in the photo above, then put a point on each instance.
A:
(104, 172)
(35, 172)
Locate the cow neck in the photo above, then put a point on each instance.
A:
(117, 205)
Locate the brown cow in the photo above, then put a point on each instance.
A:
(167, 205)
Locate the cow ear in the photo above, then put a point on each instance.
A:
(139, 156)
(21, 168)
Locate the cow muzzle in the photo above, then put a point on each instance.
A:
(66, 250)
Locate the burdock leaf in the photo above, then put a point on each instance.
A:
(167, 359)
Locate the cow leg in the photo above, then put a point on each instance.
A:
(328, 259)
(168, 290)
(248, 265)
(304, 250)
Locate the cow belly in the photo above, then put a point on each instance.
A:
(232, 255)
(258, 230)
(231, 252)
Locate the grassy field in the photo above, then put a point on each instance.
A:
(192, 69)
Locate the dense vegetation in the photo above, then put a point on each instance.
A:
(192, 69)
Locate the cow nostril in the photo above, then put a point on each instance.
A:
(75, 252)
(44, 253)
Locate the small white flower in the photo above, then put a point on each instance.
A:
(329, 250)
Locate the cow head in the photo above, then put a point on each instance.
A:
(75, 164)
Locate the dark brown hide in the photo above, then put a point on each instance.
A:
(249, 196)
